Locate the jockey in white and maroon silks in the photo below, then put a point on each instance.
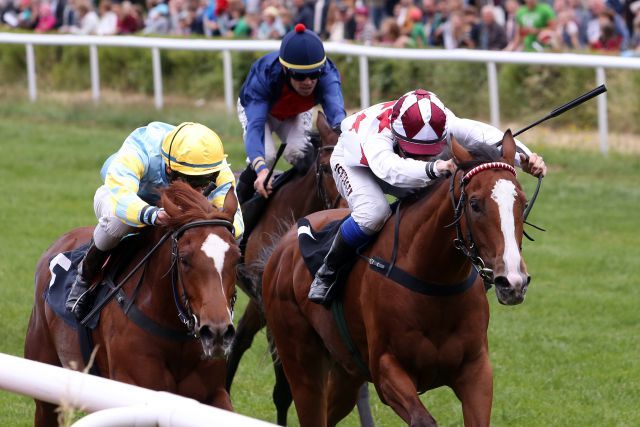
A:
(278, 96)
(376, 154)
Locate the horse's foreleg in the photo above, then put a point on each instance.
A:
(45, 415)
(397, 390)
(248, 326)
(474, 388)
(344, 391)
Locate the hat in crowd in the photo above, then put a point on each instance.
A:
(271, 11)
(193, 149)
(419, 123)
(362, 10)
(302, 51)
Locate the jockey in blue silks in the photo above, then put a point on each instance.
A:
(277, 96)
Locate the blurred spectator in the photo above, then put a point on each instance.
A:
(237, 25)
(414, 35)
(377, 12)
(337, 22)
(389, 33)
(85, 17)
(69, 16)
(46, 19)
(634, 44)
(108, 19)
(271, 26)
(510, 24)
(304, 12)
(531, 19)
(129, 21)
(57, 8)
(364, 31)
(490, 35)
(27, 15)
(609, 40)
(157, 21)
(455, 32)
(286, 18)
(594, 26)
(567, 34)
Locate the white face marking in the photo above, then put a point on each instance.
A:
(216, 248)
(504, 193)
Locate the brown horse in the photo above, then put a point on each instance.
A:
(306, 193)
(193, 257)
(428, 328)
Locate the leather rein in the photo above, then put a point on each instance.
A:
(321, 191)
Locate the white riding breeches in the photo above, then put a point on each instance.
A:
(293, 131)
(110, 228)
(369, 206)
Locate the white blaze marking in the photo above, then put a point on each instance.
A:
(216, 248)
(504, 193)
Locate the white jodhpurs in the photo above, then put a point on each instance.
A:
(110, 228)
(369, 206)
(294, 132)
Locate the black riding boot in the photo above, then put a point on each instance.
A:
(80, 297)
(340, 254)
(244, 187)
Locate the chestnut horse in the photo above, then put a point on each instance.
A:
(427, 332)
(304, 194)
(193, 258)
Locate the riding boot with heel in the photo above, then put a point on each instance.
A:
(80, 298)
(340, 254)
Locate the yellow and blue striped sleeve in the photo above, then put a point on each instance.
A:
(223, 184)
(123, 180)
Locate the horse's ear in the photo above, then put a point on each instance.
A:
(460, 154)
(327, 136)
(230, 205)
(508, 147)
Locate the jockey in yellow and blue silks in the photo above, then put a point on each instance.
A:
(278, 96)
(150, 158)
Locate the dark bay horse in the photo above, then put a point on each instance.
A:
(306, 193)
(194, 257)
(409, 340)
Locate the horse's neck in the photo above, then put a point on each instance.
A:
(427, 244)
(302, 195)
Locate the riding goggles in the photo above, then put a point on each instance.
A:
(303, 76)
(195, 181)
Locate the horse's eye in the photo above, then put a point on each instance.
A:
(184, 260)
(474, 205)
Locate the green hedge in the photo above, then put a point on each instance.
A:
(526, 92)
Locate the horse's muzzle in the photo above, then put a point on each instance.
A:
(511, 290)
(216, 340)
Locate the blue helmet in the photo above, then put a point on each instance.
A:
(301, 51)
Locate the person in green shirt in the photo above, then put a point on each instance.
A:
(532, 18)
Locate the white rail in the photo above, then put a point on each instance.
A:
(111, 402)
(597, 62)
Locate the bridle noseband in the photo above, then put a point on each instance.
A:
(466, 245)
(185, 314)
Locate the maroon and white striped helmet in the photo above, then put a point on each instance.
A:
(419, 123)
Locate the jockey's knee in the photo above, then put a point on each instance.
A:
(372, 220)
(109, 232)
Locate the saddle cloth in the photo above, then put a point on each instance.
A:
(314, 245)
(64, 268)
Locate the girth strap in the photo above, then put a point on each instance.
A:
(338, 315)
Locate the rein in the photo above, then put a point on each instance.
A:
(185, 314)
(466, 245)
(320, 190)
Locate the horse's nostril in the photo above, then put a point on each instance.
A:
(229, 333)
(501, 282)
(528, 280)
(206, 333)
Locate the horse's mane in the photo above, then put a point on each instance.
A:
(185, 204)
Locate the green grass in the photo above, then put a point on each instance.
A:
(569, 356)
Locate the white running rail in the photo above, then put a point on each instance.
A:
(597, 62)
(110, 402)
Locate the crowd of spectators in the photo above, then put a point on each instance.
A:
(528, 25)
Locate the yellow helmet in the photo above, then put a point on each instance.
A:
(193, 149)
